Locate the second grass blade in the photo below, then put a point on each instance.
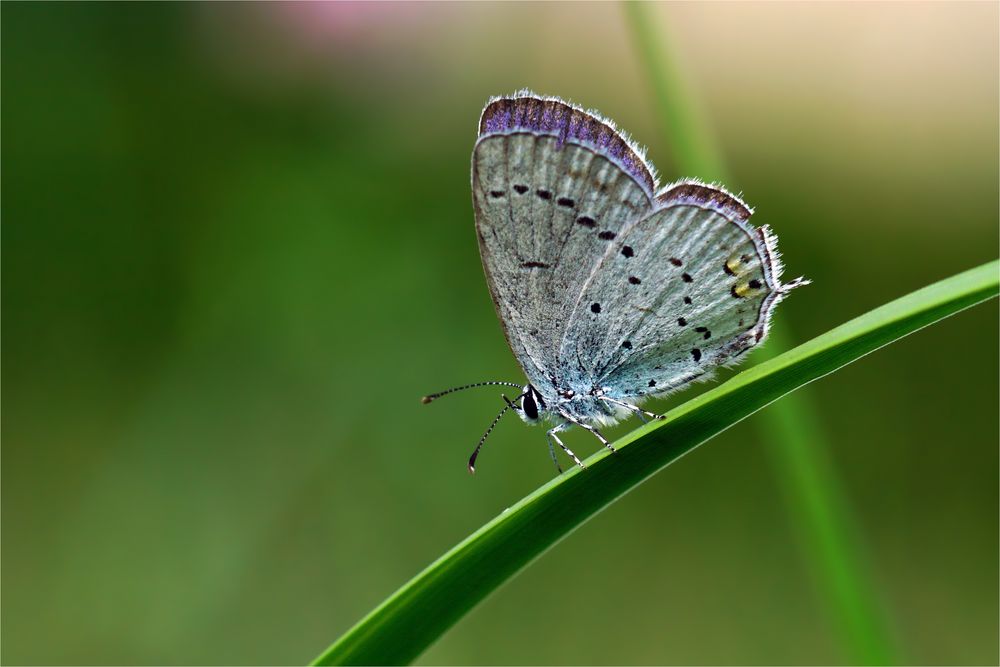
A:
(818, 507)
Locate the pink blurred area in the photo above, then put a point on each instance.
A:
(373, 50)
(323, 27)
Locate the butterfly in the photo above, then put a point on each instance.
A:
(610, 289)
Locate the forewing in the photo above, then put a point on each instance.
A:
(553, 188)
(688, 288)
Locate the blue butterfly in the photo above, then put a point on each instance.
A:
(609, 288)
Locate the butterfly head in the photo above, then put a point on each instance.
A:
(531, 407)
(532, 404)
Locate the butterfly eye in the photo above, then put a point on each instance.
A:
(529, 406)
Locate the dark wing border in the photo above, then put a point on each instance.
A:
(526, 111)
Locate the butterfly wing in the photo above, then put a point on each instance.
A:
(691, 287)
(553, 188)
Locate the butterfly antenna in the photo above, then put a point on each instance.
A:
(431, 397)
(472, 459)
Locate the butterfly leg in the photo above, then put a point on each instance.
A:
(552, 453)
(642, 414)
(551, 435)
(597, 434)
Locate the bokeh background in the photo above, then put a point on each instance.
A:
(238, 247)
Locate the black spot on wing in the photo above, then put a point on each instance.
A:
(754, 284)
(687, 300)
(520, 189)
(686, 277)
(606, 236)
(676, 262)
(628, 251)
(566, 201)
(595, 308)
(633, 280)
(681, 322)
(544, 194)
(627, 345)
(534, 265)
(586, 221)
(696, 353)
(497, 194)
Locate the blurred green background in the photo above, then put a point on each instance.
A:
(238, 247)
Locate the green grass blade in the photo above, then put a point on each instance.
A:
(682, 123)
(821, 515)
(824, 524)
(409, 621)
